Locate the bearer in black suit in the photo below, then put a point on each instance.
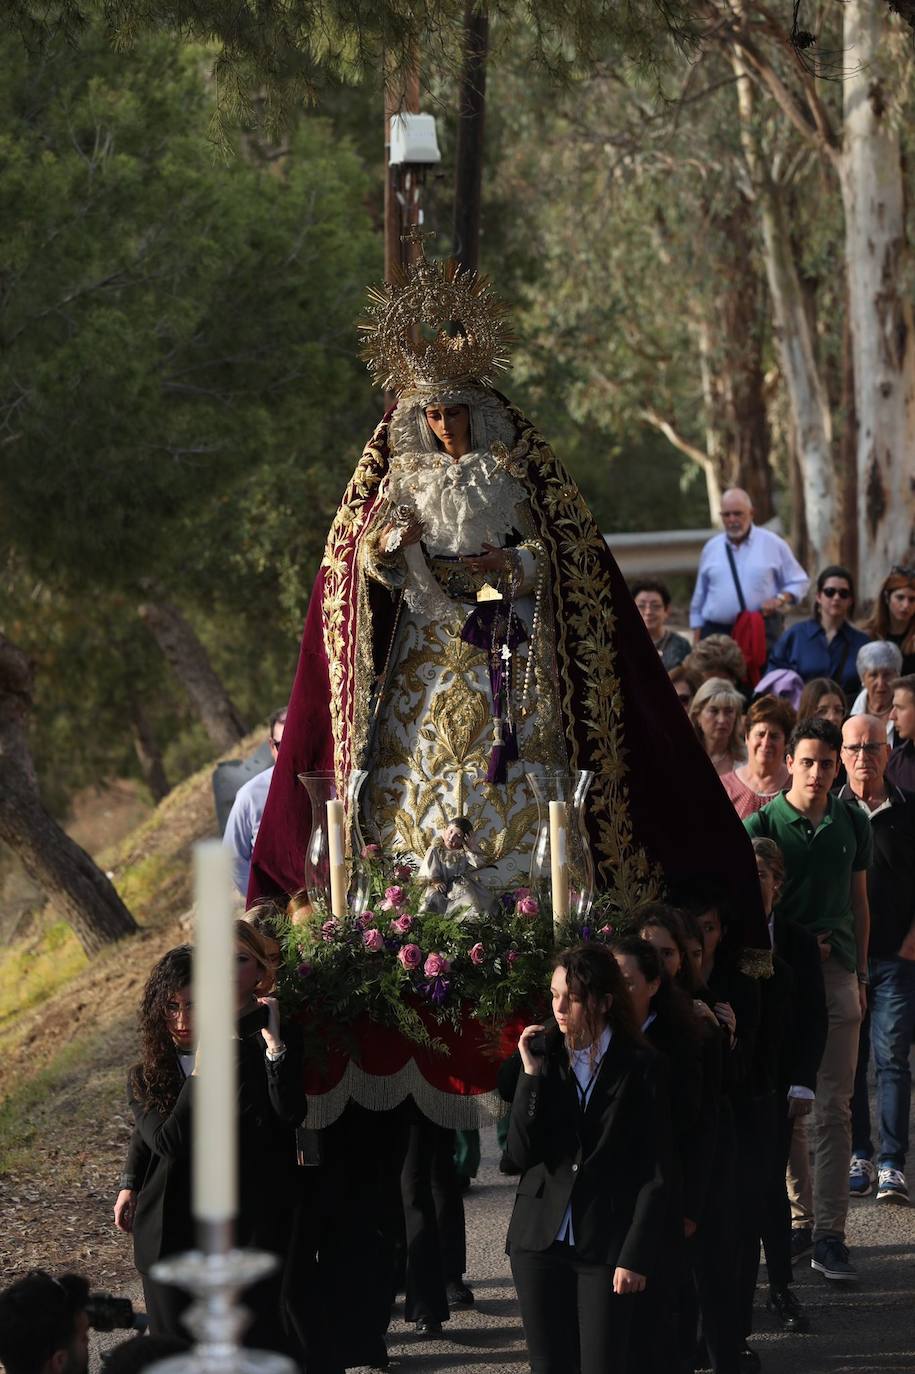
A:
(590, 1133)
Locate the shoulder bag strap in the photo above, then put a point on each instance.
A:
(730, 553)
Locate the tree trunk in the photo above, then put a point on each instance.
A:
(191, 665)
(733, 379)
(876, 256)
(64, 872)
(468, 161)
(148, 752)
(808, 401)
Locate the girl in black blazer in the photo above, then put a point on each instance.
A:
(590, 1134)
(271, 1103)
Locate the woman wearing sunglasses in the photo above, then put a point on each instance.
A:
(827, 644)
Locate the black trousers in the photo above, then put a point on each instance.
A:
(433, 1210)
(573, 1321)
(714, 1253)
(776, 1209)
(342, 1280)
(757, 1149)
(165, 1306)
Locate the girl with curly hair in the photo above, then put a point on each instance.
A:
(155, 1197)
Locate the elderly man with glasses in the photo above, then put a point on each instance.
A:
(890, 1018)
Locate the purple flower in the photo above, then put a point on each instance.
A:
(329, 929)
(410, 956)
(373, 940)
(586, 933)
(437, 990)
(303, 970)
(511, 956)
(477, 953)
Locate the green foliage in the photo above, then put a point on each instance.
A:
(271, 58)
(180, 400)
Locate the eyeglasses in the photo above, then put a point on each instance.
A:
(842, 592)
(863, 748)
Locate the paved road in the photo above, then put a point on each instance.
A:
(855, 1330)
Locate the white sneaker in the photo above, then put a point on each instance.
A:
(861, 1176)
(891, 1186)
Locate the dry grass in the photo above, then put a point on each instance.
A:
(67, 1039)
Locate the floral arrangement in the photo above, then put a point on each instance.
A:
(394, 959)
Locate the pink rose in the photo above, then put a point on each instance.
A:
(402, 924)
(367, 919)
(477, 953)
(522, 892)
(436, 965)
(527, 906)
(511, 956)
(394, 897)
(329, 929)
(606, 930)
(410, 956)
(373, 940)
(403, 873)
(371, 851)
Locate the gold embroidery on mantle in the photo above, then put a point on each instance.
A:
(575, 548)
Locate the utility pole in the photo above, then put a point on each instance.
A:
(401, 190)
(468, 175)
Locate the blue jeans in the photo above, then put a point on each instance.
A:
(888, 1027)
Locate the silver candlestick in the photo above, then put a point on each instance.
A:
(216, 1319)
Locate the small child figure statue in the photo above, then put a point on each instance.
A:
(450, 860)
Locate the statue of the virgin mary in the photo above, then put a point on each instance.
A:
(469, 626)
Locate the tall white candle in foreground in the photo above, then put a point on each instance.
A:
(215, 1169)
(559, 863)
(336, 856)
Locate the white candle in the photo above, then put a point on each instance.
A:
(337, 862)
(559, 864)
(215, 1157)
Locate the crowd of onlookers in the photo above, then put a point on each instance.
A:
(682, 1108)
(814, 743)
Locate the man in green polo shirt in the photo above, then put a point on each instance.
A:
(827, 847)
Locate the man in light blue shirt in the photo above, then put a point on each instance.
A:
(247, 809)
(770, 576)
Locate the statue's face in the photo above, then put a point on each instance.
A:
(451, 427)
(453, 837)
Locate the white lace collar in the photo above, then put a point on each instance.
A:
(463, 503)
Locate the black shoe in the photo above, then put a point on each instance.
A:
(830, 1257)
(464, 1183)
(427, 1327)
(801, 1241)
(506, 1166)
(782, 1303)
(458, 1294)
(748, 1359)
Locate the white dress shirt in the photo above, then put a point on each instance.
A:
(242, 825)
(765, 566)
